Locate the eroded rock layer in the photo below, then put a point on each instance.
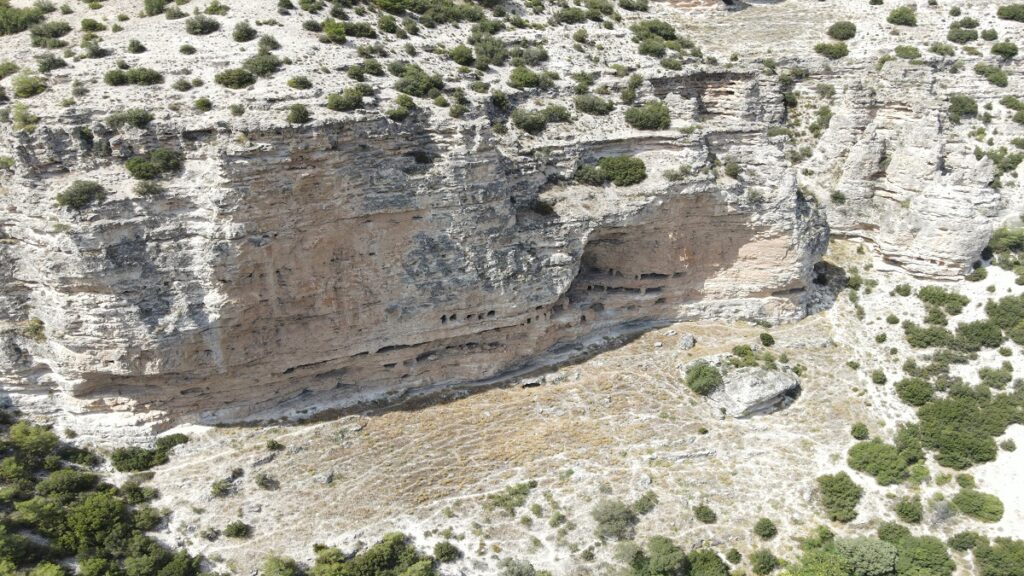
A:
(350, 261)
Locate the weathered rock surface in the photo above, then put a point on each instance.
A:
(749, 392)
(355, 258)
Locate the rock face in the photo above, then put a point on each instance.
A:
(353, 260)
(893, 170)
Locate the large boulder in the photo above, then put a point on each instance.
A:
(749, 392)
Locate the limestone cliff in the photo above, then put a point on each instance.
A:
(297, 266)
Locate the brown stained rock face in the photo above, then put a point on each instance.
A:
(330, 266)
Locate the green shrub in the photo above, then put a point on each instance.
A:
(280, 566)
(903, 16)
(964, 541)
(766, 339)
(522, 77)
(512, 497)
(350, 99)
(765, 529)
(910, 510)
(200, 25)
(594, 105)
(703, 378)
(842, 30)
(653, 115)
(137, 117)
(914, 391)
(961, 35)
(1011, 12)
(859, 431)
(1005, 49)
(445, 552)
(14, 20)
(978, 505)
(1004, 557)
(244, 32)
(994, 74)
(415, 82)
(25, 85)
(840, 496)
(868, 556)
(133, 76)
(832, 50)
(614, 520)
(235, 78)
(973, 336)
(907, 52)
(81, 193)
(155, 164)
(879, 459)
(238, 529)
(298, 114)
(154, 7)
(704, 514)
(961, 106)
(763, 562)
(962, 431)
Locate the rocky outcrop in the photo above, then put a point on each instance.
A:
(893, 170)
(291, 269)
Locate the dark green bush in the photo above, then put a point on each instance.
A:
(978, 505)
(1004, 557)
(927, 337)
(263, 64)
(840, 496)
(704, 514)
(155, 164)
(244, 32)
(964, 541)
(879, 459)
(765, 529)
(614, 520)
(832, 50)
(994, 74)
(200, 25)
(445, 551)
(961, 35)
(14, 20)
(594, 105)
(238, 529)
(133, 76)
(703, 378)
(859, 431)
(80, 194)
(842, 30)
(961, 428)
(763, 562)
(914, 391)
(1005, 49)
(298, 114)
(910, 510)
(903, 16)
(1011, 12)
(962, 106)
(653, 115)
(415, 82)
(137, 117)
(235, 78)
(350, 99)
